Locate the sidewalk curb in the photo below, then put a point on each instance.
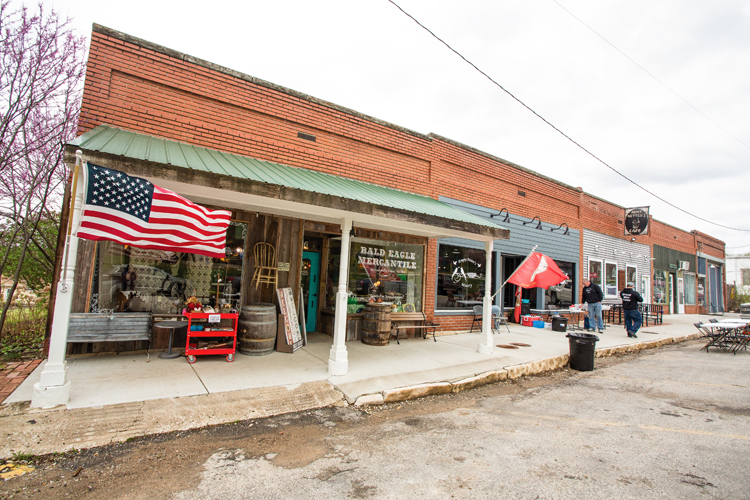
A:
(40, 432)
(509, 373)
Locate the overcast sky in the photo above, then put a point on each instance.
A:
(368, 56)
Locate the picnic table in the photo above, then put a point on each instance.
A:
(574, 315)
(726, 335)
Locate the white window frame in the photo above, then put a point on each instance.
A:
(635, 278)
(601, 277)
(604, 280)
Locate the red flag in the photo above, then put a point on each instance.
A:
(132, 211)
(517, 309)
(538, 271)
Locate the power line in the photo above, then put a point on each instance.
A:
(558, 130)
(652, 76)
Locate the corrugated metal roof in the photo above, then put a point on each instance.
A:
(110, 140)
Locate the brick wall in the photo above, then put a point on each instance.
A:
(134, 85)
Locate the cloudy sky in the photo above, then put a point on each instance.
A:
(660, 91)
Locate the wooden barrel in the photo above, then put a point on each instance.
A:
(376, 327)
(256, 331)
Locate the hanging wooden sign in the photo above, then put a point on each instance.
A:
(288, 336)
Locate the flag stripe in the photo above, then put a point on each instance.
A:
(166, 198)
(136, 227)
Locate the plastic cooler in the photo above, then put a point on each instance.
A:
(538, 324)
(529, 320)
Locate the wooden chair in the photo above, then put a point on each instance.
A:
(266, 268)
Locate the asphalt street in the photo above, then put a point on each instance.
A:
(672, 422)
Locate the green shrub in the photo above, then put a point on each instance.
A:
(23, 332)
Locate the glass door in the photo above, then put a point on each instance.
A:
(670, 293)
(680, 295)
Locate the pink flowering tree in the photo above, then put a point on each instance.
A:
(42, 68)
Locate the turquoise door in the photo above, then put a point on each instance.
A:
(311, 288)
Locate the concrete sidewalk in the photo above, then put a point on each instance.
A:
(117, 397)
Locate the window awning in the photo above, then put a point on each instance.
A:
(234, 181)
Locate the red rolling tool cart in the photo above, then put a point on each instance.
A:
(211, 330)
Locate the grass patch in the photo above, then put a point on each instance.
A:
(22, 457)
(23, 333)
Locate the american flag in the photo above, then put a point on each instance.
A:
(133, 211)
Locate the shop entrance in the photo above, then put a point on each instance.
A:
(509, 293)
(311, 288)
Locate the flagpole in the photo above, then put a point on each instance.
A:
(79, 161)
(514, 272)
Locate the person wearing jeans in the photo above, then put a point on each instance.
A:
(630, 300)
(592, 295)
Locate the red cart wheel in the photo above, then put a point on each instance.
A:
(230, 358)
(191, 359)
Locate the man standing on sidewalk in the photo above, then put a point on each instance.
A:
(592, 295)
(630, 300)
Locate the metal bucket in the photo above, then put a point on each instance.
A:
(257, 329)
(376, 327)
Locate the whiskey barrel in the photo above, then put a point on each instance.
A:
(376, 327)
(256, 331)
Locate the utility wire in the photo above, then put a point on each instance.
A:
(558, 130)
(652, 76)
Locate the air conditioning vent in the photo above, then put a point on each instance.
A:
(685, 265)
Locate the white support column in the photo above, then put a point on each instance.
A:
(338, 362)
(485, 340)
(53, 388)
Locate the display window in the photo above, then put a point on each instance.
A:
(630, 276)
(561, 295)
(604, 274)
(701, 291)
(610, 270)
(131, 279)
(595, 272)
(461, 277)
(660, 287)
(689, 288)
(385, 272)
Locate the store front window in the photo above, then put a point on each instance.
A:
(689, 289)
(660, 287)
(130, 279)
(462, 275)
(595, 272)
(611, 279)
(386, 272)
(561, 295)
(630, 276)
(701, 291)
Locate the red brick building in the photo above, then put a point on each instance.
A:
(167, 103)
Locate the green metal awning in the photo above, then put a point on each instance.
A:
(115, 142)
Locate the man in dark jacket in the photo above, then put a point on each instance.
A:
(630, 300)
(592, 295)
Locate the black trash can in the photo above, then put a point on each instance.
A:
(582, 347)
(559, 324)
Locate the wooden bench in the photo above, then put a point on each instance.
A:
(112, 327)
(423, 324)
